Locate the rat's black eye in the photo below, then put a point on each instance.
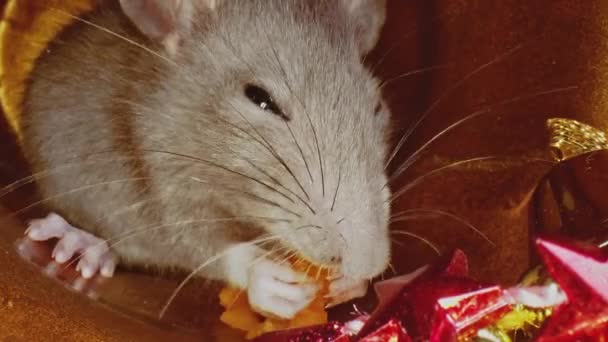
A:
(261, 98)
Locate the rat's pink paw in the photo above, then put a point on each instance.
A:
(343, 289)
(94, 253)
(278, 290)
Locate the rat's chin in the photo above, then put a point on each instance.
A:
(363, 264)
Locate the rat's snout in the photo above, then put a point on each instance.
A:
(351, 237)
(319, 241)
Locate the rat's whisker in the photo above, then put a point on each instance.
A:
(19, 183)
(76, 190)
(399, 243)
(314, 132)
(288, 255)
(216, 165)
(425, 241)
(29, 179)
(444, 95)
(392, 268)
(268, 145)
(297, 96)
(250, 195)
(120, 238)
(438, 212)
(412, 158)
(205, 264)
(409, 216)
(318, 276)
(252, 164)
(295, 140)
(236, 298)
(412, 73)
(333, 203)
(272, 150)
(115, 34)
(133, 206)
(418, 180)
(402, 40)
(39, 175)
(298, 261)
(262, 257)
(308, 226)
(238, 219)
(219, 166)
(308, 270)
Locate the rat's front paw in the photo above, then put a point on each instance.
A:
(343, 289)
(94, 252)
(276, 290)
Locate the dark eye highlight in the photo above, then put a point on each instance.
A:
(262, 99)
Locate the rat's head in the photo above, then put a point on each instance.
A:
(274, 96)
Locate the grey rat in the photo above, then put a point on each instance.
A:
(218, 137)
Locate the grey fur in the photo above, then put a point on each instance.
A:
(112, 106)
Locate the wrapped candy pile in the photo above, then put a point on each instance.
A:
(440, 302)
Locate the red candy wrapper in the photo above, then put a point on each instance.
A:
(440, 303)
(392, 331)
(330, 332)
(463, 315)
(582, 273)
(412, 298)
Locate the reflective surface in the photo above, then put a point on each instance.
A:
(518, 62)
(572, 200)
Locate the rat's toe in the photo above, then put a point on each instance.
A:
(95, 256)
(108, 266)
(68, 245)
(52, 226)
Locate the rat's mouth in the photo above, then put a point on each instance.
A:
(285, 253)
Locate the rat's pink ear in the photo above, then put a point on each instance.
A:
(164, 20)
(368, 17)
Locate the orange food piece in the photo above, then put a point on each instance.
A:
(239, 315)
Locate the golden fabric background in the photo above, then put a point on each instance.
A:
(26, 27)
(522, 61)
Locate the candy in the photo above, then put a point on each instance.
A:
(582, 273)
(239, 314)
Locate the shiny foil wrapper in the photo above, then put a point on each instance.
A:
(571, 199)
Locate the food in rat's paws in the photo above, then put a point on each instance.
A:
(239, 315)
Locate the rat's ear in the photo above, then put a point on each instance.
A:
(368, 17)
(164, 20)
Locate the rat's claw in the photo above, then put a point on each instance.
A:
(343, 289)
(95, 255)
(276, 290)
(96, 258)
